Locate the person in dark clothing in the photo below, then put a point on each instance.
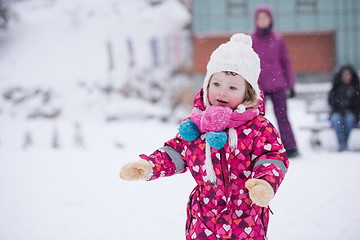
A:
(344, 100)
(276, 77)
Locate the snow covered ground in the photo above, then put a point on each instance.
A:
(73, 191)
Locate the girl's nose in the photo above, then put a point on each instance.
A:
(222, 92)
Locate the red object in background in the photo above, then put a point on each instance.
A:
(310, 52)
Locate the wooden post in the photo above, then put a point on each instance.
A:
(110, 56)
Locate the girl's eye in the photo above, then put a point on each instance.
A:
(216, 84)
(233, 88)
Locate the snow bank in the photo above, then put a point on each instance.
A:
(81, 48)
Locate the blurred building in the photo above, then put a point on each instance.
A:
(320, 34)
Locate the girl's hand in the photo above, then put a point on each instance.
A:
(260, 191)
(139, 170)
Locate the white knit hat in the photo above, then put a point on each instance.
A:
(239, 57)
(236, 56)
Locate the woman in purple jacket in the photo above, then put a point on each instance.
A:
(276, 76)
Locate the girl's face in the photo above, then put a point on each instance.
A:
(263, 20)
(226, 90)
(346, 76)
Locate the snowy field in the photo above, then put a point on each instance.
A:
(73, 191)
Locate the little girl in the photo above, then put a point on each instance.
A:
(233, 152)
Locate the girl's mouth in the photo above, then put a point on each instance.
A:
(222, 101)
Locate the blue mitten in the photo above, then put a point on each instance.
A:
(216, 139)
(188, 130)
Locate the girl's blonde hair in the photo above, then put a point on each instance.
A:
(250, 96)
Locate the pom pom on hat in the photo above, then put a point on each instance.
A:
(242, 38)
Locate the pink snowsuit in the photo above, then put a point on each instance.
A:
(226, 211)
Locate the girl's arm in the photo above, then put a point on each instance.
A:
(270, 165)
(270, 159)
(164, 162)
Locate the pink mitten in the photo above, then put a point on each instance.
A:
(260, 191)
(139, 170)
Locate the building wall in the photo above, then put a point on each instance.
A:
(310, 52)
(327, 30)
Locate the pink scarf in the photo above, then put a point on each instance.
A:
(217, 118)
